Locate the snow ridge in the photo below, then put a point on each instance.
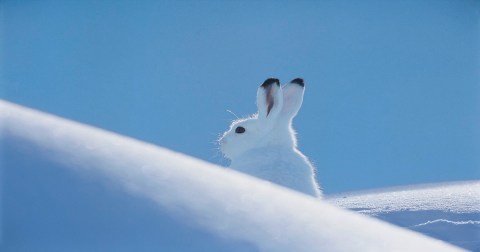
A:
(446, 211)
(224, 202)
(458, 197)
(468, 222)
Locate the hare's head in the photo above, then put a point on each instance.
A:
(271, 126)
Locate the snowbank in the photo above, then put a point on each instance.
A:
(228, 205)
(446, 211)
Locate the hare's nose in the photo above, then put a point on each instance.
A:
(222, 141)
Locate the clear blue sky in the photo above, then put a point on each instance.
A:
(393, 87)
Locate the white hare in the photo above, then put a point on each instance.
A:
(264, 145)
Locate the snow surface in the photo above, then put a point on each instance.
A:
(447, 211)
(72, 187)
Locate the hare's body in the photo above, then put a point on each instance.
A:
(264, 145)
(286, 167)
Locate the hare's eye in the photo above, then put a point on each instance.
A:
(240, 130)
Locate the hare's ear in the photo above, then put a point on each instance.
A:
(269, 98)
(292, 98)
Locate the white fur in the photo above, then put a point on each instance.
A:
(268, 149)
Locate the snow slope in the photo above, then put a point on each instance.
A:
(448, 211)
(72, 187)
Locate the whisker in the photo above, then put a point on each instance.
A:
(229, 111)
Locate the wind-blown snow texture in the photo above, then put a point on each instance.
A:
(173, 202)
(449, 211)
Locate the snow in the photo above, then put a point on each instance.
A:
(459, 197)
(73, 187)
(447, 211)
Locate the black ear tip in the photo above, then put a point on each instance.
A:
(298, 81)
(270, 81)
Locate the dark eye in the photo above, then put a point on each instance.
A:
(239, 130)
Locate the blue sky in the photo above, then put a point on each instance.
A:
(393, 87)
